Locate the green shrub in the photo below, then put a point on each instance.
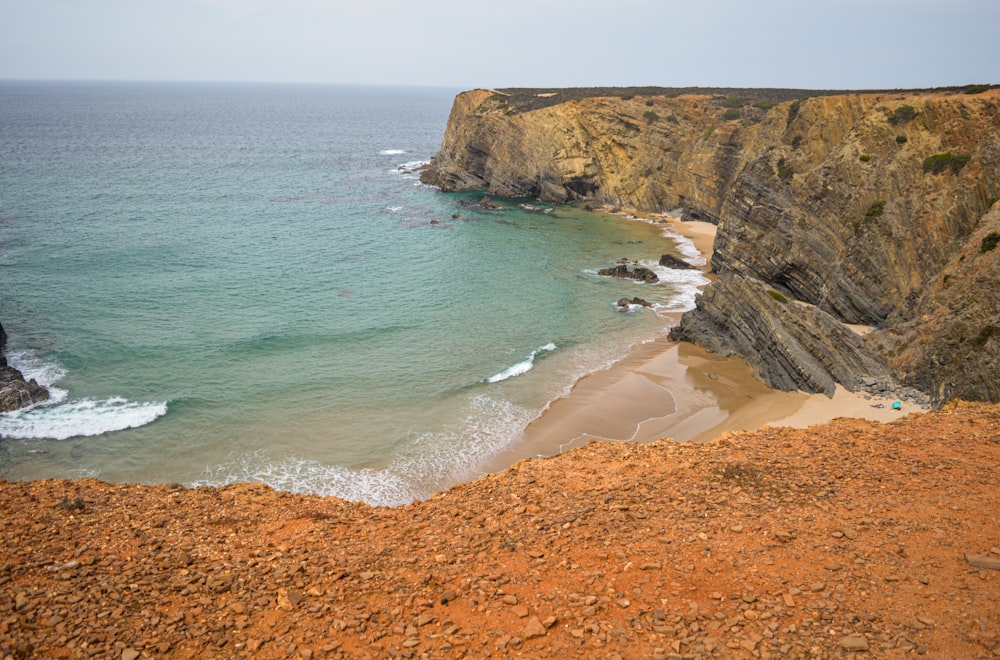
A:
(985, 334)
(777, 296)
(650, 116)
(628, 97)
(938, 163)
(708, 133)
(793, 111)
(796, 142)
(875, 210)
(864, 158)
(673, 119)
(784, 170)
(649, 103)
(975, 89)
(990, 242)
(731, 114)
(900, 139)
(903, 114)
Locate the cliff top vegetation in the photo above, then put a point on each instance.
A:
(526, 99)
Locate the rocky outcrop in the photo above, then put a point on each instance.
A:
(624, 304)
(857, 205)
(806, 348)
(639, 273)
(670, 261)
(15, 391)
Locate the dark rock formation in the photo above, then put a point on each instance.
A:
(623, 304)
(639, 273)
(804, 347)
(832, 200)
(670, 261)
(488, 203)
(15, 391)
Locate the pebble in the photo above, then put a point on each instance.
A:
(534, 628)
(854, 642)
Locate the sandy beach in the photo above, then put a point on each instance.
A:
(681, 391)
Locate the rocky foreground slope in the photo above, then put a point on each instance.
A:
(852, 539)
(854, 208)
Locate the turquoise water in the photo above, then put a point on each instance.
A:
(233, 282)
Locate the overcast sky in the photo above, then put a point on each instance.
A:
(852, 44)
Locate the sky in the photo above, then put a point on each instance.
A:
(813, 44)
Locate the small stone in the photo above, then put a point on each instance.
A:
(817, 586)
(738, 529)
(533, 629)
(623, 602)
(855, 642)
(789, 601)
(509, 599)
(982, 561)
(448, 596)
(519, 611)
(130, 654)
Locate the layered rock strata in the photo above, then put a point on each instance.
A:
(871, 209)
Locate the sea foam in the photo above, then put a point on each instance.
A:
(60, 419)
(522, 367)
(83, 417)
(425, 463)
(392, 152)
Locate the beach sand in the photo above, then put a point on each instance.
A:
(681, 391)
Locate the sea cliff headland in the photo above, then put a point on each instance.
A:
(871, 209)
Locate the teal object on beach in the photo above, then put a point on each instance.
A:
(896, 405)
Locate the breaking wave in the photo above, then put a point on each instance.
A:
(522, 367)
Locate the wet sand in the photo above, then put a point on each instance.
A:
(681, 391)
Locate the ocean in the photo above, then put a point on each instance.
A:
(234, 282)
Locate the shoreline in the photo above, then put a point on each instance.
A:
(678, 390)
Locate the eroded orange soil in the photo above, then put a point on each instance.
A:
(845, 539)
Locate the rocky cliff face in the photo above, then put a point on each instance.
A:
(857, 206)
(15, 391)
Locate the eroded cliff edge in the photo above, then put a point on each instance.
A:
(870, 209)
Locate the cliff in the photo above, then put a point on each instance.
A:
(848, 537)
(857, 208)
(15, 391)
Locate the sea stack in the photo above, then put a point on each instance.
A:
(15, 391)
